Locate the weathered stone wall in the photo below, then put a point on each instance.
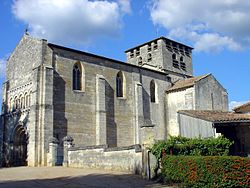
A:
(21, 80)
(127, 159)
(206, 94)
(192, 127)
(76, 112)
(179, 100)
(157, 55)
(31, 84)
(210, 95)
(2, 122)
(168, 60)
(151, 59)
(26, 56)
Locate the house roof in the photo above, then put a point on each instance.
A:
(216, 116)
(186, 83)
(243, 108)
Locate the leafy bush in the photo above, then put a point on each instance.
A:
(192, 146)
(206, 171)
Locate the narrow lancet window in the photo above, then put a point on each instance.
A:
(152, 91)
(149, 57)
(120, 85)
(182, 63)
(77, 77)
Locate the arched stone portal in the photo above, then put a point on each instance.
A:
(19, 152)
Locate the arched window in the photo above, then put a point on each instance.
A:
(174, 57)
(149, 57)
(149, 47)
(137, 51)
(18, 102)
(120, 85)
(140, 60)
(182, 63)
(153, 91)
(155, 45)
(78, 77)
(15, 103)
(21, 101)
(77, 74)
(26, 99)
(181, 59)
(29, 99)
(175, 61)
(10, 105)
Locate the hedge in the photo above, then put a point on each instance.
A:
(206, 171)
(192, 146)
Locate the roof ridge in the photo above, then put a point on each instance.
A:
(241, 106)
(186, 82)
(216, 116)
(203, 76)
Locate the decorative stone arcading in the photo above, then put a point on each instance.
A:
(19, 98)
(22, 88)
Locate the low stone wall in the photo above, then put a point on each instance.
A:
(127, 159)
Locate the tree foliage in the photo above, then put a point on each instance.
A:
(192, 146)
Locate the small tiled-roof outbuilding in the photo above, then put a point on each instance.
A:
(244, 108)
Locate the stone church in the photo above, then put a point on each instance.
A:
(64, 106)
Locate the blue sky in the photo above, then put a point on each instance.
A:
(219, 31)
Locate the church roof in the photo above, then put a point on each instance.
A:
(216, 116)
(243, 108)
(186, 83)
(55, 46)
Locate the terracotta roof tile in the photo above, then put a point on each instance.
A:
(216, 116)
(243, 108)
(186, 83)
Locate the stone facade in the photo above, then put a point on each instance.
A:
(53, 92)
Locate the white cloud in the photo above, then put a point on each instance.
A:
(72, 21)
(211, 25)
(234, 104)
(125, 5)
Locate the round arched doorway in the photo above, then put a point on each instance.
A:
(20, 140)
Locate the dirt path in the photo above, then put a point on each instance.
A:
(46, 177)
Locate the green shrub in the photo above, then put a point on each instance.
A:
(193, 146)
(206, 171)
